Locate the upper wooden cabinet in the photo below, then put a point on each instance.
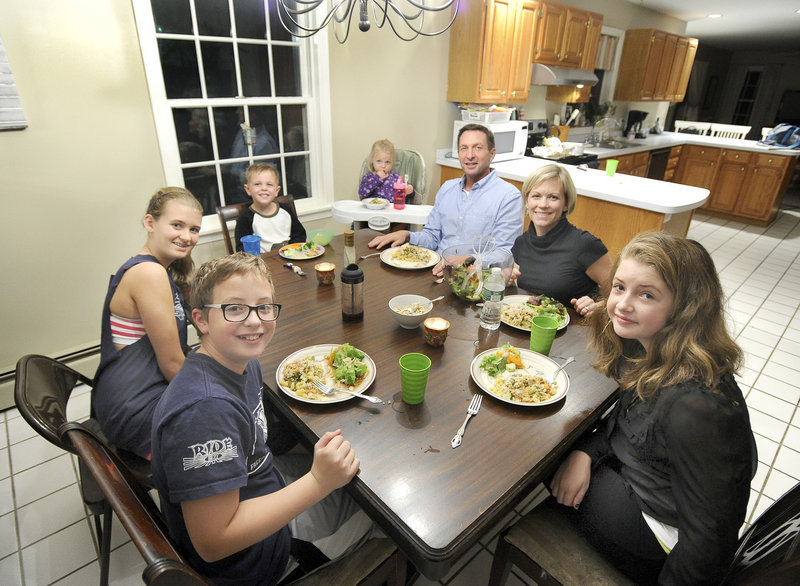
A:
(491, 48)
(567, 36)
(655, 66)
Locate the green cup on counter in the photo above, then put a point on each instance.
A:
(611, 167)
(543, 331)
(414, 368)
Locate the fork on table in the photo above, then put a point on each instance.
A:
(326, 390)
(473, 408)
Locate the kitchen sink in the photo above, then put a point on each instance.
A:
(613, 144)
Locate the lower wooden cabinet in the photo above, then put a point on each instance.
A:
(635, 164)
(767, 178)
(698, 166)
(672, 163)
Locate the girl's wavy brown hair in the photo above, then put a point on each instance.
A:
(181, 269)
(693, 345)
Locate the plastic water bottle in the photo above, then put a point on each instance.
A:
(493, 290)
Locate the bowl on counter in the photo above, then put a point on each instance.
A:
(464, 278)
(410, 310)
(376, 203)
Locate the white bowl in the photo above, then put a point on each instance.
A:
(410, 322)
(379, 223)
(375, 206)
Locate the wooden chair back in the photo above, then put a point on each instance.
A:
(232, 212)
(729, 130)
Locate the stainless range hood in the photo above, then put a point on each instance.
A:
(559, 75)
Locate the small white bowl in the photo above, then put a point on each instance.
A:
(410, 322)
(379, 223)
(375, 206)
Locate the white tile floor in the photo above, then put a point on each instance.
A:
(46, 536)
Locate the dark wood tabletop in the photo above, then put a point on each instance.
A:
(433, 500)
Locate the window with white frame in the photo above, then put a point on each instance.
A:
(229, 87)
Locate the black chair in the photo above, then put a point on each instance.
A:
(548, 548)
(41, 392)
(233, 211)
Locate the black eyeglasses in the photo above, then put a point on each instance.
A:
(237, 312)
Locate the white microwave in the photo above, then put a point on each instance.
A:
(510, 138)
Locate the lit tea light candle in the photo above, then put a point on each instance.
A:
(325, 266)
(436, 331)
(325, 274)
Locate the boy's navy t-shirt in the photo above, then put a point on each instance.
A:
(209, 437)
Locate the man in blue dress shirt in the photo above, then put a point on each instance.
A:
(479, 203)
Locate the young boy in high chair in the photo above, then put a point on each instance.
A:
(237, 515)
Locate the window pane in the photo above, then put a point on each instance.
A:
(202, 182)
(233, 179)
(254, 64)
(213, 18)
(250, 19)
(219, 69)
(293, 118)
(297, 177)
(172, 16)
(228, 131)
(286, 62)
(265, 120)
(179, 66)
(194, 136)
(276, 29)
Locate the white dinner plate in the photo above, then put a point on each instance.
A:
(535, 363)
(519, 299)
(294, 252)
(321, 350)
(386, 257)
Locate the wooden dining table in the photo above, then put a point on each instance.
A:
(433, 500)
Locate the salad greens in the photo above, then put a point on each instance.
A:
(549, 307)
(505, 358)
(347, 364)
(465, 279)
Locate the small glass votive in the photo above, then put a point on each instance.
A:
(325, 272)
(436, 331)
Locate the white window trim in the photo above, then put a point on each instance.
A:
(315, 77)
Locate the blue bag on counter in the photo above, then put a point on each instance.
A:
(783, 135)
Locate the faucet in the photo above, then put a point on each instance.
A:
(603, 124)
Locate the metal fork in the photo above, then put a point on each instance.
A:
(473, 408)
(326, 390)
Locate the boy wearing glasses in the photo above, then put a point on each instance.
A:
(225, 501)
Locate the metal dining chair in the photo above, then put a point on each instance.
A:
(41, 392)
(232, 212)
(549, 549)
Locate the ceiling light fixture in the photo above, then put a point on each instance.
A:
(405, 17)
(714, 16)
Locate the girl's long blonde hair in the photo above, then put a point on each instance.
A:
(181, 269)
(693, 345)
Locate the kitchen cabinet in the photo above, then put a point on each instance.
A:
(634, 164)
(698, 166)
(731, 175)
(491, 49)
(567, 36)
(672, 163)
(593, 30)
(767, 178)
(550, 34)
(654, 66)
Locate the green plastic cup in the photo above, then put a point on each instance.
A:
(543, 330)
(611, 167)
(414, 368)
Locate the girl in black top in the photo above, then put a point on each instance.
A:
(661, 489)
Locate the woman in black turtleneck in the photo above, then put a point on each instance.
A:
(554, 257)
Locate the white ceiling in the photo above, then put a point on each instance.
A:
(745, 24)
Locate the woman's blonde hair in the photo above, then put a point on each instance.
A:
(383, 145)
(542, 174)
(181, 269)
(213, 272)
(693, 345)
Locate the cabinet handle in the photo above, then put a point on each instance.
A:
(736, 157)
(502, 93)
(742, 169)
(514, 93)
(769, 160)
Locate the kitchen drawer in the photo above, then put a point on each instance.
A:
(700, 152)
(732, 156)
(672, 162)
(675, 151)
(776, 161)
(669, 174)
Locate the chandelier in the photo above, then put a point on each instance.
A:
(405, 17)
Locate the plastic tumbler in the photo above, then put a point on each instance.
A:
(414, 368)
(252, 244)
(611, 167)
(543, 330)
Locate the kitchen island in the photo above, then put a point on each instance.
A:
(612, 208)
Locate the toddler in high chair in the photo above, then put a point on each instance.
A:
(379, 181)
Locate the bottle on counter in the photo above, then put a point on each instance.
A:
(352, 293)
(349, 247)
(494, 288)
